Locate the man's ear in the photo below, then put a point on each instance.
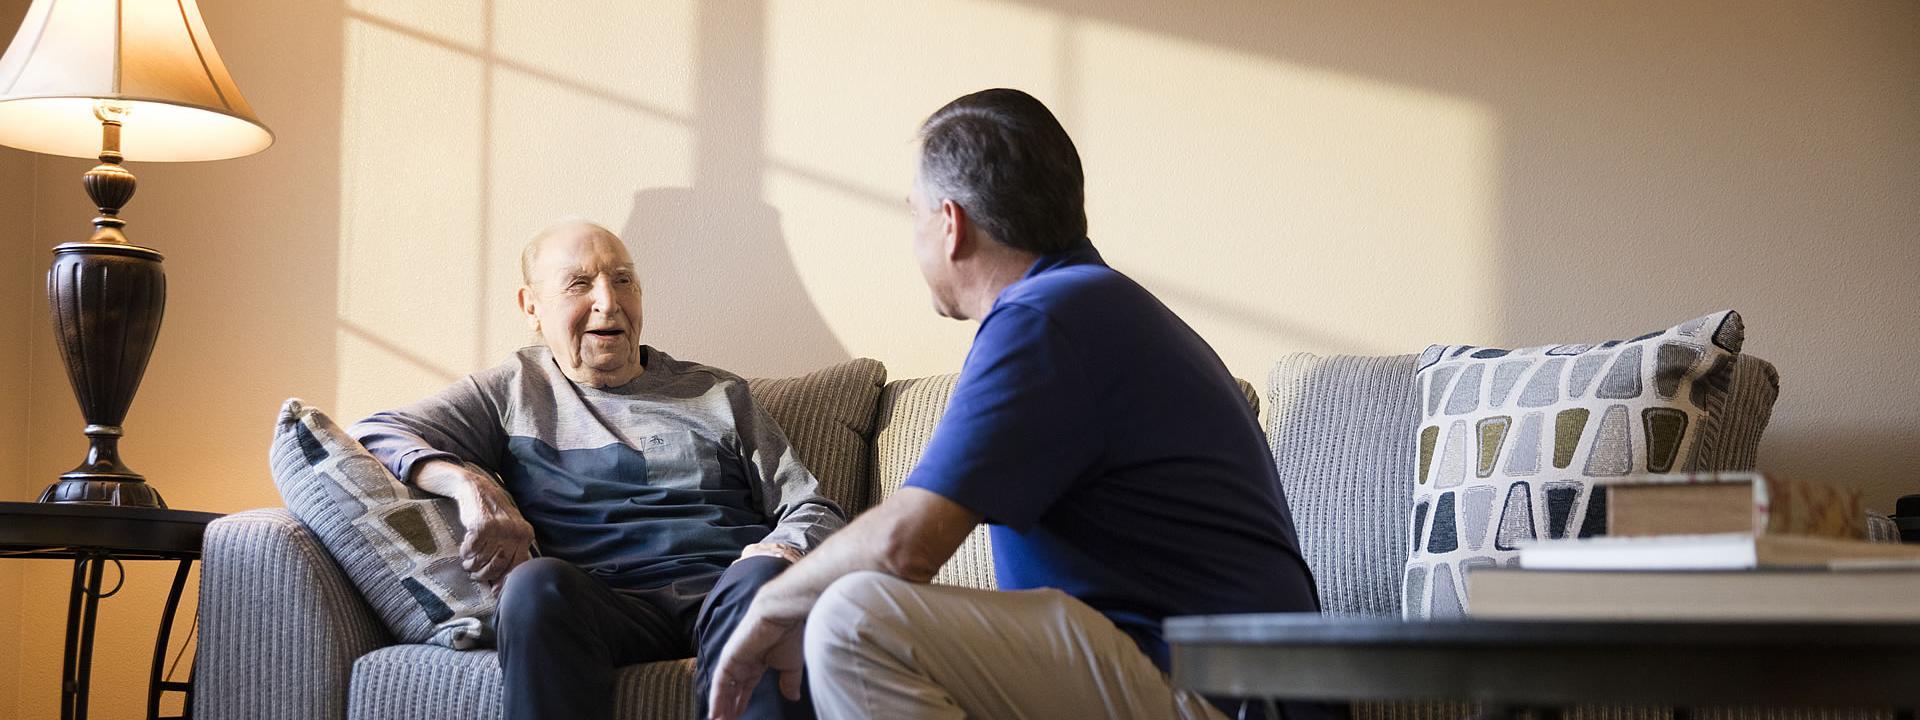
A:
(526, 300)
(957, 237)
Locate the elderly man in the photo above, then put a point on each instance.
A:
(1124, 476)
(659, 495)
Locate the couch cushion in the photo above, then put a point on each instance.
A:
(909, 411)
(398, 545)
(828, 417)
(425, 682)
(1511, 442)
(1341, 431)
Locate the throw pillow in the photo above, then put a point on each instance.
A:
(1510, 441)
(399, 545)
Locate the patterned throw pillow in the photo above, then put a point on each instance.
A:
(398, 545)
(1511, 440)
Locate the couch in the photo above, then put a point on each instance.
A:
(285, 635)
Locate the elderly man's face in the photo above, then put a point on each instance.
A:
(584, 301)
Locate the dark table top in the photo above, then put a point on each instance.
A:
(48, 530)
(1308, 656)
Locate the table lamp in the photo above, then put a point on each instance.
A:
(117, 80)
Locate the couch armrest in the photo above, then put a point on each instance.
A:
(280, 626)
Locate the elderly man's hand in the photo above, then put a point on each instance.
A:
(758, 644)
(783, 551)
(498, 538)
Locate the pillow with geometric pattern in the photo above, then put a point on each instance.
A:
(399, 545)
(1510, 442)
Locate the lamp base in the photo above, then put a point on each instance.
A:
(91, 490)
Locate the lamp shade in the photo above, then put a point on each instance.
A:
(152, 59)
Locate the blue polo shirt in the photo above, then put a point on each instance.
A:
(1114, 456)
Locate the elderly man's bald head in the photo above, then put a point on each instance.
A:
(570, 228)
(582, 297)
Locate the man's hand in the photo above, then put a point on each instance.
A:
(759, 643)
(908, 536)
(783, 551)
(497, 537)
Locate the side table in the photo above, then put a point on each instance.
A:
(93, 536)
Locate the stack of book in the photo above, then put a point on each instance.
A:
(1712, 547)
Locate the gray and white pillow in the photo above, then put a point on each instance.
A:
(1510, 441)
(400, 546)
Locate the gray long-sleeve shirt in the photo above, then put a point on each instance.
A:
(663, 478)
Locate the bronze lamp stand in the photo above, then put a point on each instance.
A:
(108, 296)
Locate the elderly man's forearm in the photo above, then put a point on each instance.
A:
(447, 479)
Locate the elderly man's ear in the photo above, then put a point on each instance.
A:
(525, 298)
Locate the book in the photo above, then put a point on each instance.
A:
(1806, 595)
(1723, 551)
(1737, 502)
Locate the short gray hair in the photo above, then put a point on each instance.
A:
(1003, 158)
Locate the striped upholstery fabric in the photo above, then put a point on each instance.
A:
(388, 681)
(280, 625)
(1341, 429)
(909, 410)
(828, 419)
(1749, 406)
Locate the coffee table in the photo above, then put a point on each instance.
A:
(1509, 664)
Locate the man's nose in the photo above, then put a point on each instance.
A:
(603, 295)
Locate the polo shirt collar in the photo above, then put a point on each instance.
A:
(1080, 254)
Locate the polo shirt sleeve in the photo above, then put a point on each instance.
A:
(1021, 426)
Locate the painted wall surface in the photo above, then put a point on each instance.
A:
(1350, 177)
(18, 297)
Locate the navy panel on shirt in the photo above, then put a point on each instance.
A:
(630, 518)
(1115, 457)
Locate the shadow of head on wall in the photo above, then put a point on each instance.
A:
(720, 286)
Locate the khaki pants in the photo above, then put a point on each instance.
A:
(881, 647)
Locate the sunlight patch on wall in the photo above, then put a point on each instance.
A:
(1277, 207)
(458, 22)
(855, 256)
(839, 171)
(411, 134)
(848, 110)
(641, 52)
(454, 150)
(1281, 208)
(559, 153)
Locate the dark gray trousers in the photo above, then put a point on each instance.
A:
(563, 634)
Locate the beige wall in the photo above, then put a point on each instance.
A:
(1342, 177)
(19, 293)
(18, 297)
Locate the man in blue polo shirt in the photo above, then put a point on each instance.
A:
(1122, 472)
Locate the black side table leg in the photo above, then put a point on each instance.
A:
(68, 678)
(155, 688)
(78, 672)
(92, 603)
